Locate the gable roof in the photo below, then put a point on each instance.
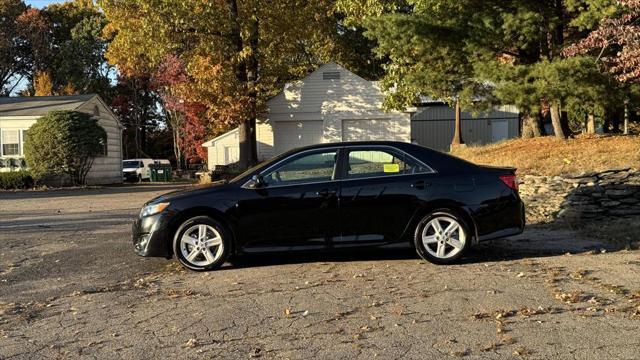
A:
(40, 105)
(212, 142)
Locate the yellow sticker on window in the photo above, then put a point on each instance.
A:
(392, 168)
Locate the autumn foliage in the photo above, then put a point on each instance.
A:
(617, 42)
(185, 116)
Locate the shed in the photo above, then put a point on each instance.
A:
(433, 125)
(17, 114)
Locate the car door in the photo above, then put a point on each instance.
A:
(296, 207)
(381, 190)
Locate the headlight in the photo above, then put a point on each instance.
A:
(153, 209)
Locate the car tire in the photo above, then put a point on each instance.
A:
(139, 178)
(436, 242)
(190, 247)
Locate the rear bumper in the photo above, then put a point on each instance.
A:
(499, 220)
(151, 236)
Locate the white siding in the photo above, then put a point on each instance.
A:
(264, 137)
(105, 169)
(224, 150)
(376, 130)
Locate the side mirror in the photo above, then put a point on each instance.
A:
(258, 181)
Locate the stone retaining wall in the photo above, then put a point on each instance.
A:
(588, 196)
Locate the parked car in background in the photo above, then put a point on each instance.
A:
(136, 169)
(332, 196)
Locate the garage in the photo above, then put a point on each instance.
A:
(373, 130)
(293, 134)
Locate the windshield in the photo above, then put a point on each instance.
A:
(130, 164)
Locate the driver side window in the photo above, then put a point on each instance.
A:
(316, 167)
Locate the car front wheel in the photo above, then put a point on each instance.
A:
(442, 237)
(202, 243)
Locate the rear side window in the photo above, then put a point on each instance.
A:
(381, 162)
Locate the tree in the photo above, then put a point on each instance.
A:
(14, 62)
(615, 40)
(237, 53)
(170, 81)
(425, 42)
(42, 84)
(510, 52)
(136, 104)
(66, 42)
(64, 142)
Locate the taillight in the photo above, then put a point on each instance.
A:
(511, 181)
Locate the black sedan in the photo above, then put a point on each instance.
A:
(333, 196)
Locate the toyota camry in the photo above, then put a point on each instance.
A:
(334, 196)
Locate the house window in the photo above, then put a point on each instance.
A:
(10, 142)
(105, 150)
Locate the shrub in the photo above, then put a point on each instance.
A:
(15, 180)
(64, 142)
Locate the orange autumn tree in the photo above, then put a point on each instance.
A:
(237, 53)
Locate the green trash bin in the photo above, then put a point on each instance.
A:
(160, 172)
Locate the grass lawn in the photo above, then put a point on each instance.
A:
(550, 156)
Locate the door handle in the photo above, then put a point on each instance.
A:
(420, 184)
(326, 192)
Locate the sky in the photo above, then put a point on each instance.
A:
(41, 3)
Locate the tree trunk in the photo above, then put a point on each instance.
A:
(626, 118)
(556, 121)
(564, 121)
(591, 124)
(246, 73)
(457, 132)
(606, 122)
(531, 126)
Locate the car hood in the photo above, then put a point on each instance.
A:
(217, 186)
(129, 169)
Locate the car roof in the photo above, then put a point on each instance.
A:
(352, 143)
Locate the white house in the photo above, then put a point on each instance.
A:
(333, 104)
(224, 149)
(17, 114)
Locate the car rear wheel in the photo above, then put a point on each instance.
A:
(442, 237)
(202, 243)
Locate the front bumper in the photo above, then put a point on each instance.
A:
(151, 236)
(129, 176)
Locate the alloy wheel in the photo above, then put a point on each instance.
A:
(443, 237)
(201, 245)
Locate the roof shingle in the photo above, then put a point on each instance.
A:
(40, 105)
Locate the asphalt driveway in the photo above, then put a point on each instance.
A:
(71, 287)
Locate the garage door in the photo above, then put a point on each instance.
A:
(371, 130)
(293, 134)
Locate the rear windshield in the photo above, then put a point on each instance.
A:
(131, 164)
